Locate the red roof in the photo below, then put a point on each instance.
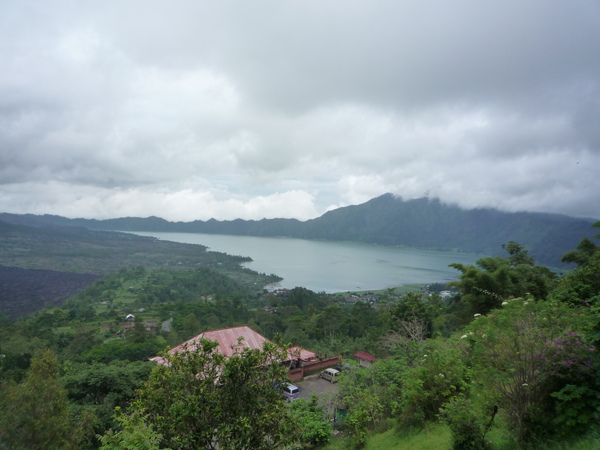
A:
(228, 339)
(305, 355)
(365, 355)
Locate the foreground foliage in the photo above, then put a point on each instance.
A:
(527, 364)
(200, 399)
(313, 424)
(35, 414)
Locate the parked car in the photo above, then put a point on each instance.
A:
(290, 392)
(330, 374)
(346, 368)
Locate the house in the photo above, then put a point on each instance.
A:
(298, 359)
(365, 359)
(227, 338)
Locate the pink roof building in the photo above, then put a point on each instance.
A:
(229, 340)
(298, 352)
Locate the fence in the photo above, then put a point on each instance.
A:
(313, 366)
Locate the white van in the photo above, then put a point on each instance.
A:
(330, 374)
(290, 392)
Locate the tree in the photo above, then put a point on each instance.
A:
(363, 318)
(441, 373)
(330, 322)
(200, 399)
(517, 254)
(302, 298)
(135, 434)
(466, 424)
(138, 333)
(315, 428)
(535, 359)
(39, 410)
(413, 307)
(102, 387)
(407, 343)
(484, 286)
(584, 252)
(582, 285)
(191, 326)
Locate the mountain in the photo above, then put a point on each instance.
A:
(430, 224)
(387, 220)
(44, 263)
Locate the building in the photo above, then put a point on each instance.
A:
(230, 340)
(227, 338)
(365, 359)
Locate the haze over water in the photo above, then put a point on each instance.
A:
(325, 266)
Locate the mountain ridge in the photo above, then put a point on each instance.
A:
(386, 220)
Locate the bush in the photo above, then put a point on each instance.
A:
(315, 429)
(441, 374)
(466, 424)
(527, 351)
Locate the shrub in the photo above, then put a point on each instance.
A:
(525, 352)
(310, 418)
(466, 424)
(442, 373)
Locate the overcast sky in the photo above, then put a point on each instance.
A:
(249, 109)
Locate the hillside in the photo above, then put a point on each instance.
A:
(385, 220)
(47, 264)
(24, 291)
(80, 250)
(430, 224)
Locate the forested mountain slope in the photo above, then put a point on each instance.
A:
(42, 265)
(386, 220)
(424, 223)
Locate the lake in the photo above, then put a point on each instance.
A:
(326, 266)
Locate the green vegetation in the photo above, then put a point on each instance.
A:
(523, 372)
(79, 250)
(510, 361)
(203, 400)
(41, 265)
(493, 279)
(36, 412)
(311, 420)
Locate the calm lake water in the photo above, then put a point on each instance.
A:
(323, 266)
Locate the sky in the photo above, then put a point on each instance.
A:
(196, 109)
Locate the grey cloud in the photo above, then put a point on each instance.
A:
(244, 104)
(391, 52)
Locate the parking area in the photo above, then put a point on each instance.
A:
(325, 390)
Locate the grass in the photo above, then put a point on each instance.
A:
(403, 289)
(435, 437)
(67, 329)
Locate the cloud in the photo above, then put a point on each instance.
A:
(289, 109)
(173, 203)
